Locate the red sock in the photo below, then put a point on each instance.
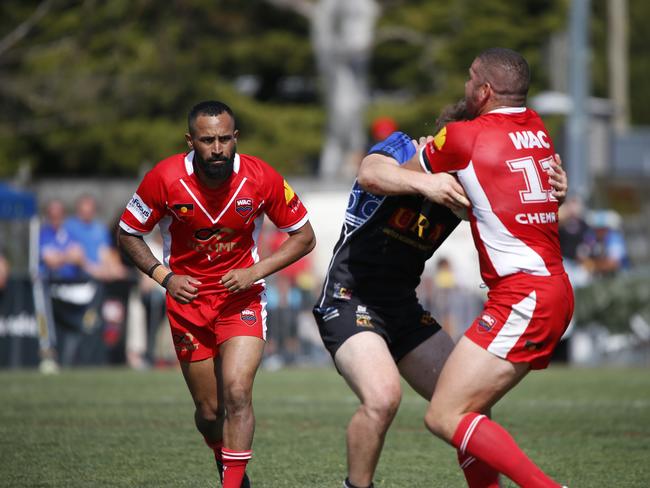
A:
(486, 440)
(477, 473)
(234, 467)
(216, 448)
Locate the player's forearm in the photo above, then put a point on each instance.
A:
(299, 244)
(381, 175)
(136, 249)
(142, 257)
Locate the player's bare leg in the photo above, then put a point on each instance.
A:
(240, 358)
(205, 386)
(472, 381)
(368, 367)
(421, 368)
(201, 380)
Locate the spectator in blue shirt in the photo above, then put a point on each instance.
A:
(62, 258)
(102, 260)
(608, 253)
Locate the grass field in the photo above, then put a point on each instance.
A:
(120, 428)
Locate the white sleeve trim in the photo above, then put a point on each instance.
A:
(130, 230)
(297, 225)
(421, 159)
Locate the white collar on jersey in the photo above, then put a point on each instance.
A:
(507, 110)
(189, 167)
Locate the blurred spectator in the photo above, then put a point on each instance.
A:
(4, 273)
(102, 258)
(575, 234)
(76, 258)
(67, 295)
(381, 128)
(288, 294)
(284, 304)
(445, 286)
(450, 304)
(607, 248)
(62, 258)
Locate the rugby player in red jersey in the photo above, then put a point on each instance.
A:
(501, 157)
(209, 205)
(368, 313)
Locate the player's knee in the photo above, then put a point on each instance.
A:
(434, 419)
(383, 406)
(209, 410)
(237, 397)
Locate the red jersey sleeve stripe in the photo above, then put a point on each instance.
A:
(297, 225)
(130, 230)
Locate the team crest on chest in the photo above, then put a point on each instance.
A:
(244, 206)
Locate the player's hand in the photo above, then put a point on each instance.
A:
(557, 179)
(239, 279)
(444, 189)
(421, 142)
(183, 288)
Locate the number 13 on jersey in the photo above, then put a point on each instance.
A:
(530, 170)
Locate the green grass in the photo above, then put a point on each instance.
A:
(120, 428)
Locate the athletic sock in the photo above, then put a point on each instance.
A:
(477, 473)
(486, 440)
(234, 467)
(216, 448)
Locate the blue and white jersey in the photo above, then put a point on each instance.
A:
(385, 240)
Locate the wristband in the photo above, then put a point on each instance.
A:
(159, 274)
(166, 279)
(150, 270)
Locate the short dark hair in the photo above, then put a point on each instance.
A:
(208, 107)
(507, 71)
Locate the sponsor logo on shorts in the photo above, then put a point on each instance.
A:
(534, 346)
(244, 206)
(248, 317)
(427, 319)
(139, 209)
(486, 322)
(185, 342)
(342, 293)
(330, 313)
(363, 317)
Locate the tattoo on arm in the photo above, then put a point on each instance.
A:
(137, 250)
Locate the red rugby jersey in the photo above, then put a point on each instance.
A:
(207, 232)
(501, 159)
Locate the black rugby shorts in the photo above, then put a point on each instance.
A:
(402, 327)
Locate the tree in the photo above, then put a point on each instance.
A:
(104, 87)
(92, 87)
(342, 34)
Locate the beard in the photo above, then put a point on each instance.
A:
(472, 108)
(216, 171)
